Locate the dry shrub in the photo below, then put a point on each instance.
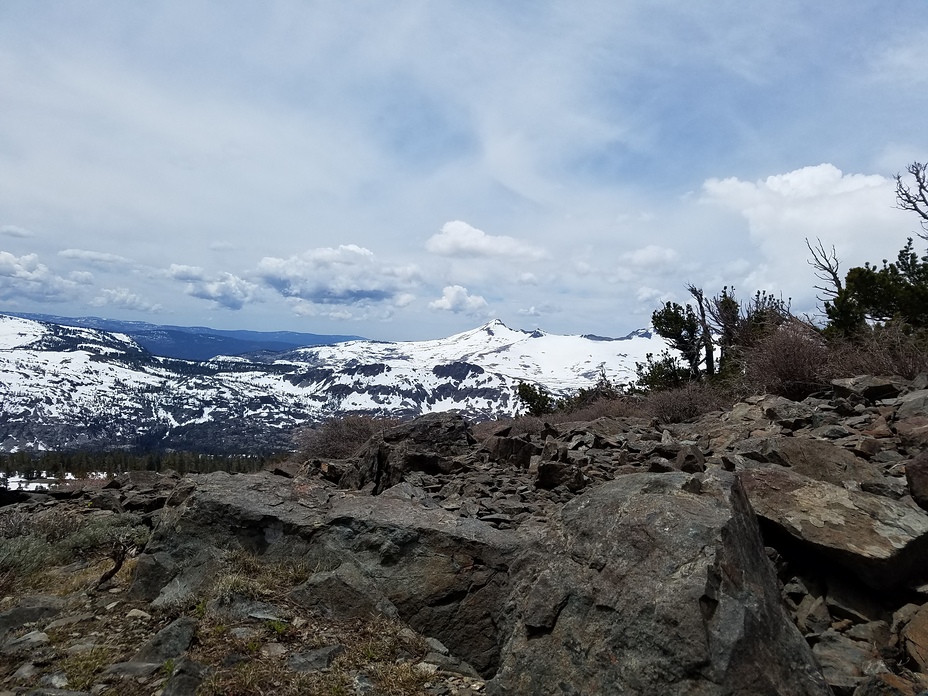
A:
(884, 350)
(791, 361)
(341, 437)
(685, 403)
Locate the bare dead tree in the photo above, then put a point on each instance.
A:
(826, 268)
(915, 199)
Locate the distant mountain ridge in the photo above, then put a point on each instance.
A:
(193, 342)
(66, 387)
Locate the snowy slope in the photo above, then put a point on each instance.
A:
(66, 387)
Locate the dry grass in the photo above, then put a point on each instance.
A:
(378, 647)
(33, 545)
(83, 669)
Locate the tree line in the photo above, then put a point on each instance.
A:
(81, 464)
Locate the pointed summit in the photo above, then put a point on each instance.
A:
(493, 324)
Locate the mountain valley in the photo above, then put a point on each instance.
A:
(74, 387)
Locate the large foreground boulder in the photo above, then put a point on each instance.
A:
(880, 541)
(653, 584)
(398, 553)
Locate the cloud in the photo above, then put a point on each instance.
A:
(94, 257)
(15, 231)
(186, 273)
(356, 313)
(24, 277)
(346, 275)
(456, 299)
(225, 289)
(530, 312)
(853, 212)
(651, 256)
(124, 298)
(646, 294)
(81, 277)
(459, 239)
(902, 62)
(306, 309)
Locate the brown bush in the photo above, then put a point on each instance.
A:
(340, 437)
(792, 361)
(624, 407)
(883, 350)
(685, 403)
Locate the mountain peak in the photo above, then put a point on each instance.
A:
(493, 324)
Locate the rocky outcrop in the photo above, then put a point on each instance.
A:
(653, 583)
(777, 548)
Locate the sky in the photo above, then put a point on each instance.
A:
(412, 169)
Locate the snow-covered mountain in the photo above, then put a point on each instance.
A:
(64, 387)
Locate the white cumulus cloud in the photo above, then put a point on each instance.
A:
(650, 256)
(124, 299)
(459, 239)
(455, 298)
(855, 213)
(25, 277)
(225, 289)
(189, 274)
(81, 277)
(345, 275)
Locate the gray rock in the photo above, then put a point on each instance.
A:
(812, 615)
(439, 572)
(878, 540)
(645, 588)
(25, 644)
(869, 387)
(449, 663)
(517, 451)
(845, 662)
(427, 444)
(313, 660)
(344, 593)
(186, 678)
(690, 459)
(30, 610)
(916, 476)
(552, 474)
(912, 404)
(819, 460)
(170, 642)
(133, 669)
